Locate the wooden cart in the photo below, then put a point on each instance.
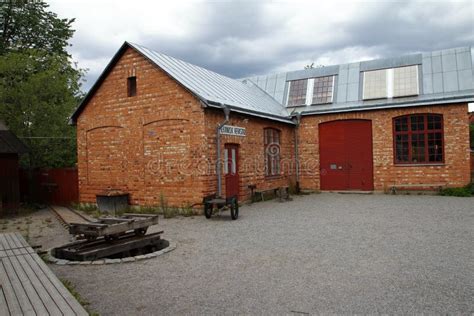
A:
(211, 202)
(111, 228)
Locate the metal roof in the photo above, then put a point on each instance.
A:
(216, 88)
(445, 76)
(212, 88)
(9, 143)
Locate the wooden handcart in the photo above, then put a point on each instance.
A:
(212, 202)
(112, 228)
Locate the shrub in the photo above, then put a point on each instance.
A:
(462, 191)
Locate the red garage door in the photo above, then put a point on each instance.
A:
(345, 149)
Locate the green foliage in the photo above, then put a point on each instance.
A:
(88, 208)
(461, 192)
(72, 289)
(163, 209)
(39, 84)
(28, 25)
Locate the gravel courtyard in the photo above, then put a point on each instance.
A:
(322, 253)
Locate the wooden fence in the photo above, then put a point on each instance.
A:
(49, 186)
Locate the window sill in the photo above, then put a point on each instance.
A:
(316, 104)
(296, 106)
(441, 164)
(275, 177)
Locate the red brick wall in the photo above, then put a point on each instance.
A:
(454, 172)
(140, 144)
(251, 152)
(162, 142)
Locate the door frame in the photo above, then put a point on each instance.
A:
(237, 160)
(370, 121)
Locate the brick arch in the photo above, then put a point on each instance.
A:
(168, 120)
(106, 159)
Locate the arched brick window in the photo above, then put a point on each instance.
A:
(418, 138)
(272, 151)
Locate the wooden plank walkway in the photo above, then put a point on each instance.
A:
(27, 285)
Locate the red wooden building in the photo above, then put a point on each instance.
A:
(10, 150)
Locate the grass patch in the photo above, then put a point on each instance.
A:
(461, 192)
(85, 207)
(167, 212)
(70, 287)
(88, 208)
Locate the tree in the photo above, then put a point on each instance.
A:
(26, 24)
(312, 66)
(39, 83)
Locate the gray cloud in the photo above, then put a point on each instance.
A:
(244, 38)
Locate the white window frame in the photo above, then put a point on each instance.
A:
(226, 161)
(390, 83)
(332, 94)
(309, 91)
(386, 85)
(417, 83)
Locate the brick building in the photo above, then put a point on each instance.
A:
(149, 126)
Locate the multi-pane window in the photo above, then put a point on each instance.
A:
(375, 84)
(272, 151)
(393, 82)
(418, 138)
(297, 93)
(405, 81)
(323, 90)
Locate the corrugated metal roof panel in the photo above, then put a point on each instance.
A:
(10, 144)
(443, 75)
(213, 87)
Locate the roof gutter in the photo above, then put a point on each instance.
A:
(447, 100)
(282, 119)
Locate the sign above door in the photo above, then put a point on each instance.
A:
(233, 130)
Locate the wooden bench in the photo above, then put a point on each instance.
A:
(437, 186)
(27, 285)
(283, 193)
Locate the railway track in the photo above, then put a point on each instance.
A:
(66, 215)
(125, 245)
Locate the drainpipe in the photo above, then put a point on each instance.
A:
(226, 110)
(297, 120)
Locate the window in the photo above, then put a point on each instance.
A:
(132, 86)
(389, 83)
(405, 81)
(375, 84)
(323, 90)
(297, 93)
(418, 138)
(272, 151)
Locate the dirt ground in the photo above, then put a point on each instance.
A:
(40, 228)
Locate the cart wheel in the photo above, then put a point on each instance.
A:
(110, 237)
(234, 208)
(140, 231)
(207, 210)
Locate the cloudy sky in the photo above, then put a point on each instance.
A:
(244, 38)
